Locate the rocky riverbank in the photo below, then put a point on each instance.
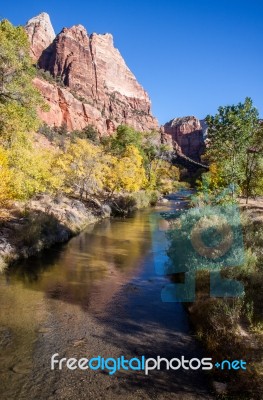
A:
(26, 229)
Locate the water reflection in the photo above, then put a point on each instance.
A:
(91, 265)
(88, 271)
(97, 294)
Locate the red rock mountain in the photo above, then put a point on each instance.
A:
(92, 84)
(186, 135)
(85, 80)
(41, 34)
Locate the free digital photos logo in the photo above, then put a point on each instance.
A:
(199, 238)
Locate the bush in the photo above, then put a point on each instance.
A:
(123, 205)
(47, 131)
(145, 198)
(89, 132)
(46, 75)
(37, 227)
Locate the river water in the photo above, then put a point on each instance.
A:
(99, 294)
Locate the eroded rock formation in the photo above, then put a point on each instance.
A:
(41, 34)
(88, 82)
(186, 136)
(94, 85)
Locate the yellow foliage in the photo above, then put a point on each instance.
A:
(215, 176)
(5, 177)
(163, 176)
(81, 168)
(125, 173)
(26, 170)
(19, 98)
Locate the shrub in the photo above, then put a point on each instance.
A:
(123, 205)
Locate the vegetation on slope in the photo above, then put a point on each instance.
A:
(230, 326)
(121, 172)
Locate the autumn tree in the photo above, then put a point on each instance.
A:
(33, 171)
(153, 152)
(164, 176)
(125, 173)
(81, 168)
(5, 178)
(27, 168)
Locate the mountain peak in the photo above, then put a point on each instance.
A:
(96, 86)
(40, 33)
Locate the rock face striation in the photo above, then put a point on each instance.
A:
(41, 34)
(186, 135)
(85, 80)
(92, 84)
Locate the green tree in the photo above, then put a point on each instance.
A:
(153, 152)
(91, 133)
(231, 133)
(18, 97)
(125, 136)
(254, 165)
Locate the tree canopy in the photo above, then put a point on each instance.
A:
(234, 134)
(18, 96)
(76, 163)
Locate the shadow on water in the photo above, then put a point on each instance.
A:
(139, 323)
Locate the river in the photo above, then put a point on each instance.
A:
(99, 294)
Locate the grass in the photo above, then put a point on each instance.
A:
(233, 328)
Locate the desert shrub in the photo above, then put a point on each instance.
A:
(46, 75)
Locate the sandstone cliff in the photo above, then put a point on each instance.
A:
(86, 81)
(41, 34)
(94, 85)
(186, 135)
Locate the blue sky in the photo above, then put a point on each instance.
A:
(190, 55)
